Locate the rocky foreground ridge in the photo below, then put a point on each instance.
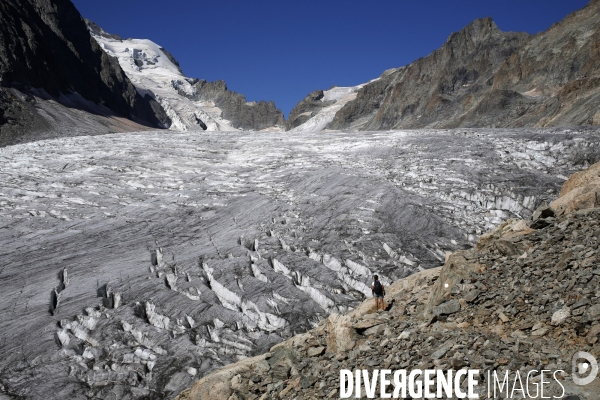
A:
(483, 77)
(525, 298)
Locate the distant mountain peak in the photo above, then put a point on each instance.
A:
(480, 30)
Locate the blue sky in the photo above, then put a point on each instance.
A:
(282, 50)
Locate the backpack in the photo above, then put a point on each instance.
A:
(377, 288)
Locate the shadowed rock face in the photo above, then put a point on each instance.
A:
(133, 264)
(44, 44)
(482, 77)
(18, 116)
(35, 115)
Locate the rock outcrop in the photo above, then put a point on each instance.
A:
(45, 45)
(318, 109)
(483, 77)
(524, 299)
(242, 114)
(306, 109)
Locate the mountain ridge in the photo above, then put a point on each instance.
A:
(483, 77)
(479, 77)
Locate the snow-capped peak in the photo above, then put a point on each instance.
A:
(155, 72)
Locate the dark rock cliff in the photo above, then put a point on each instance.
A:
(44, 44)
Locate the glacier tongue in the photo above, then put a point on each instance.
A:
(165, 254)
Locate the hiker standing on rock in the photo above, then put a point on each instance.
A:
(378, 292)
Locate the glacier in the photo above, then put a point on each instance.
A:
(135, 263)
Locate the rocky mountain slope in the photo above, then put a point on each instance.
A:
(525, 298)
(45, 46)
(135, 264)
(483, 77)
(190, 103)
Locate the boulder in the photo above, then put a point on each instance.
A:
(447, 308)
(341, 335)
(543, 211)
(315, 351)
(591, 314)
(560, 316)
(439, 353)
(581, 191)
